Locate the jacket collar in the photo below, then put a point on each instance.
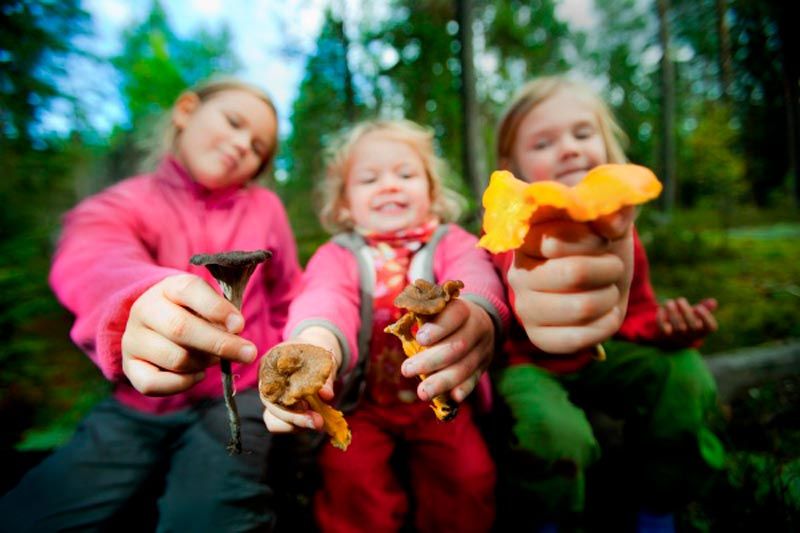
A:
(171, 172)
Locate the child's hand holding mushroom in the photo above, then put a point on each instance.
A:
(459, 344)
(569, 281)
(175, 330)
(285, 386)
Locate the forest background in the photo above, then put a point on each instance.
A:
(707, 91)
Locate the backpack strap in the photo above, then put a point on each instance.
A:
(353, 387)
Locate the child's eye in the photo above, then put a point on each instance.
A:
(366, 179)
(233, 121)
(407, 175)
(584, 132)
(540, 144)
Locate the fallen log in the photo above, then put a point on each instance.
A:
(749, 367)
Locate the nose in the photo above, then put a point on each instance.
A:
(241, 141)
(568, 146)
(388, 180)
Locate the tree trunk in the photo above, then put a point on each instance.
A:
(472, 153)
(667, 154)
(724, 40)
(347, 75)
(791, 81)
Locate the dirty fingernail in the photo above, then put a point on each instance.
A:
(426, 395)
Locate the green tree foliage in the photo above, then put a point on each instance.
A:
(35, 41)
(524, 39)
(763, 93)
(528, 38)
(616, 55)
(154, 66)
(36, 44)
(713, 169)
(325, 104)
(426, 73)
(759, 91)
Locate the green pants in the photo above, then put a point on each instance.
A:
(666, 400)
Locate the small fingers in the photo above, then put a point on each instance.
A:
(683, 316)
(710, 304)
(151, 381)
(454, 315)
(571, 339)
(561, 238)
(707, 317)
(194, 293)
(434, 358)
(279, 418)
(276, 425)
(451, 377)
(193, 332)
(566, 274)
(616, 225)
(145, 344)
(558, 309)
(663, 321)
(460, 392)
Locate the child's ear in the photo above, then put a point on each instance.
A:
(186, 105)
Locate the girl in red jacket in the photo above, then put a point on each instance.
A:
(653, 379)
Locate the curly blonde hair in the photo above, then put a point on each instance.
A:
(155, 146)
(540, 89)
(445, 203)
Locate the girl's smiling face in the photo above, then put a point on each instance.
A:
(223, 140)
(387, 186)
(558, 140)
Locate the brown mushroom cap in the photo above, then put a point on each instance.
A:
(426, 298)
(289, 372)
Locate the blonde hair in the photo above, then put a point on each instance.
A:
(445, 203)
(155, 146)
(540, 89)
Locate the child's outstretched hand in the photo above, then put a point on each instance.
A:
(460, 344)
(281, 420)
(570, 280)
(176, 329)
(681, 323)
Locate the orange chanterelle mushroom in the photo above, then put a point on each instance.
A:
(510, 203)
(291, 373)
(423, 301)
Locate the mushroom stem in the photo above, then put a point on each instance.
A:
(232, 270)
(443, 406)
(332, 419)
(599, 352)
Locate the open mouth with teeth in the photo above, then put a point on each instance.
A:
(390, 207)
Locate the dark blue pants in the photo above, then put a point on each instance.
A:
(174, 466)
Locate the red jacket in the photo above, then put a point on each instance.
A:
(639, 324)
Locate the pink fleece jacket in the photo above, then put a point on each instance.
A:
(117, 244)
(330, 294)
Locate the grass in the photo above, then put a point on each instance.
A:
(753, 271)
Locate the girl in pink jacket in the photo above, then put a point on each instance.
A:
(157, 327)
(386, 201)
